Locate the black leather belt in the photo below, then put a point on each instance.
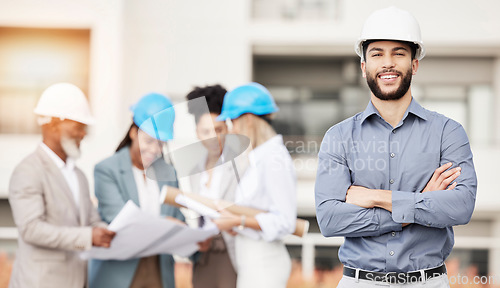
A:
(396, 277)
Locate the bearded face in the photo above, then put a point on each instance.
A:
(388, 68)
(397, 92)
(70, 147)
(71, 133)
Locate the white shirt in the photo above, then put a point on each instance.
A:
(269, 184)
(149, 192)
(68, 171)
(214, 191)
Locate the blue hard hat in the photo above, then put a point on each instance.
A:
(250, 98)
(155, 115)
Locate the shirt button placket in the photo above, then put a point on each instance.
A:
(392, 154)
(392, 172)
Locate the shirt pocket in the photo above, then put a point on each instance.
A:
(418, 169)
(368, 169)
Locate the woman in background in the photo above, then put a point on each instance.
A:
(268, 184)
(122, 177)
(214, 267)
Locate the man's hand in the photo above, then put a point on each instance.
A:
(101, 237)
(205, 245)
(369, 198)
(442, 178)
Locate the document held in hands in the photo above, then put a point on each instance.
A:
(140, 235)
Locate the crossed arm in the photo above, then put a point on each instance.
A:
(354, 211)
(442, 179)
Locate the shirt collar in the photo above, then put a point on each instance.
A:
(70, 163)
(414, 108)
(369, 111)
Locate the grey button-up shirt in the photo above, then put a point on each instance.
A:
(367, 151)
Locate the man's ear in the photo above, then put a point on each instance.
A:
(414, 66)
(363, 68)
(54, 124)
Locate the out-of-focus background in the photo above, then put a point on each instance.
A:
(302, 50)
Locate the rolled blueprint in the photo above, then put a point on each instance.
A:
(169, 194)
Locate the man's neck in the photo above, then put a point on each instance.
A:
(56, 149)
(392, 111)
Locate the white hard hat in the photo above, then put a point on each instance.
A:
(391, 24)
(64, 101)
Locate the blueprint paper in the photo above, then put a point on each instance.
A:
(139, 234)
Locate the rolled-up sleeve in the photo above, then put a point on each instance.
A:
(280, 184)
(335, 217)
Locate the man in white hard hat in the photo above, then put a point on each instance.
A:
(50, 198)
(395, 178)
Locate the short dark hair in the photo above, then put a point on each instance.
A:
(213, 94)
(412, 45)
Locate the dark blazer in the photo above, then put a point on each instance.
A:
(114, 186)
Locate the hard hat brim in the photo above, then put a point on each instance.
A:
(419, 55)
(84, 120)
(160, 125)
(233, 114)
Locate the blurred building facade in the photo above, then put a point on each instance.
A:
(302, 50)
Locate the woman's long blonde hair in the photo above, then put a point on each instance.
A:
(256, 128)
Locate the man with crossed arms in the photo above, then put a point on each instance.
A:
(385, 176)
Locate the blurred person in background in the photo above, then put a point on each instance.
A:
(268, 183)
(50, 198)
(395, 202)
(122, 177)
(215, 266)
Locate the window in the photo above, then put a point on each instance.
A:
(315, 93)
(32, 59)
(295, 9)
